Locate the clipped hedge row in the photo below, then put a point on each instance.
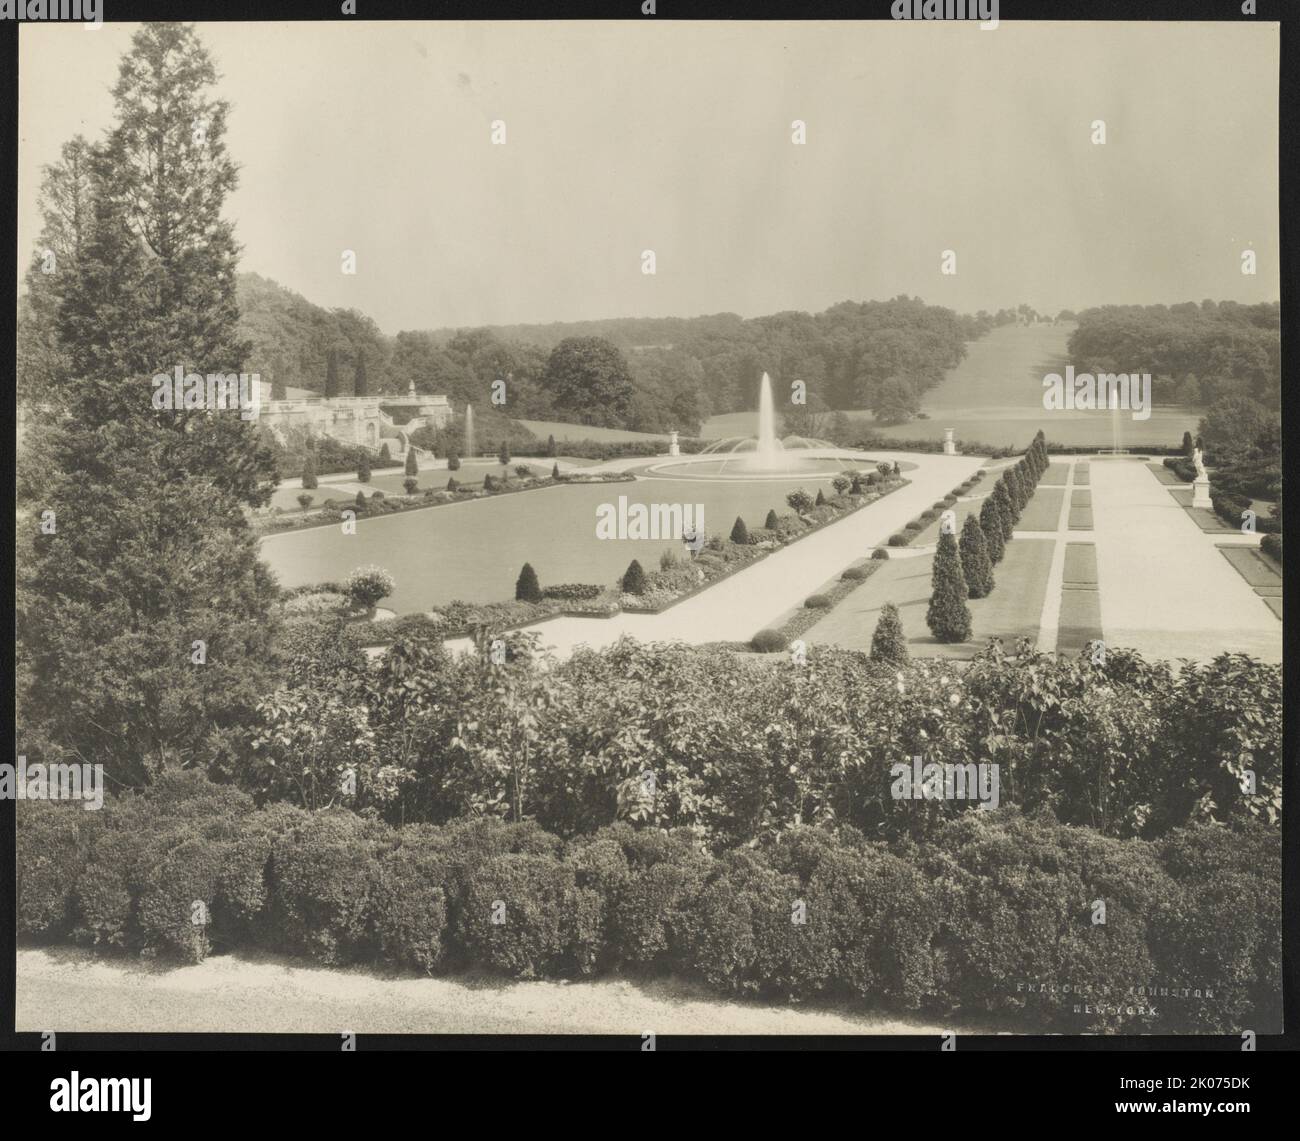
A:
(1229, 506)
(973, 922)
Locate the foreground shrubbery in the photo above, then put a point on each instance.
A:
(968, 922)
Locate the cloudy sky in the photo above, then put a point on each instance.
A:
(676, 138)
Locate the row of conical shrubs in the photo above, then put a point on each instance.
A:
(964, 570)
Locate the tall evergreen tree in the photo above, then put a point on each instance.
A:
(991, 526)
(976, 565)
(1010, 482)
(948, 616)
(363, 465)
(1002, 500)
(309, 469)
(412, 464)
(144, 620)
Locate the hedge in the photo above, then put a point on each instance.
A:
(959, 924)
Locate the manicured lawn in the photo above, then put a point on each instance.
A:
(1012, 611)
(1080, 621)
(1054, 476)
(474, 550)
(1043, 511)
(1080, 564)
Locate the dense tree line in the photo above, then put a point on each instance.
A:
(1196, 354)
(643, 374)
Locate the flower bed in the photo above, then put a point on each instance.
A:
(330, 512)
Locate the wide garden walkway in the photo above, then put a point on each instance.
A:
(1166, 588)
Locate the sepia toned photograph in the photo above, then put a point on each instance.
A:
(649, 527)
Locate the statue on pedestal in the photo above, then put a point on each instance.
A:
(674, 449)
(1201, 484)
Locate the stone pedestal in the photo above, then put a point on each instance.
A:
(1201, 494)
(949, 447)
(674, 449)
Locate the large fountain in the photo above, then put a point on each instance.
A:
(769, 454)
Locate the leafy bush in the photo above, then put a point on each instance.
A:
(768, 642)
(408, 903)
(320, 875)
(526, 917)
(1182, 466)
(900, 540)
(817, 602)
(913, 526)
(574, 591)
(178, 907)
(856, 574)
(367, 586)
(881, 552)
(739, 936)
(52, 843)
(1271, 545)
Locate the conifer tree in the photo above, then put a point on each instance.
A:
(991, 525)
(948, 616)
(887, 642)
(771, 522)
(527, 588)
(140, 653)
(739, 532)
(634, 579)
(1002, 500)
(975, 563)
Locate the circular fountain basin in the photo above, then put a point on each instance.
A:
(715, 467)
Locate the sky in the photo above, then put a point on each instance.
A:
(623, 137)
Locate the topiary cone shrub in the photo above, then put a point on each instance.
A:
(739, 532)
(888, 643)
(527, 588)
(634, 579)
(771, 523)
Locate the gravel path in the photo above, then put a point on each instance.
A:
(1166, 590)
(70, 990)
